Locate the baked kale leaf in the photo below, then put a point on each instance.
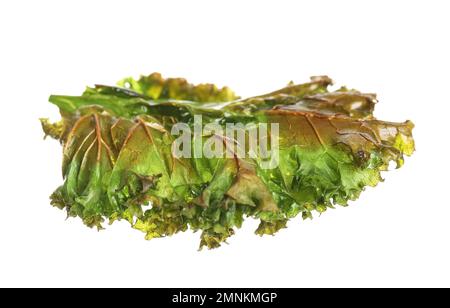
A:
(119, 161)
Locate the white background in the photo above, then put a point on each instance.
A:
(396, 235)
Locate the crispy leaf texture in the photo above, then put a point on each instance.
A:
(118, 162)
